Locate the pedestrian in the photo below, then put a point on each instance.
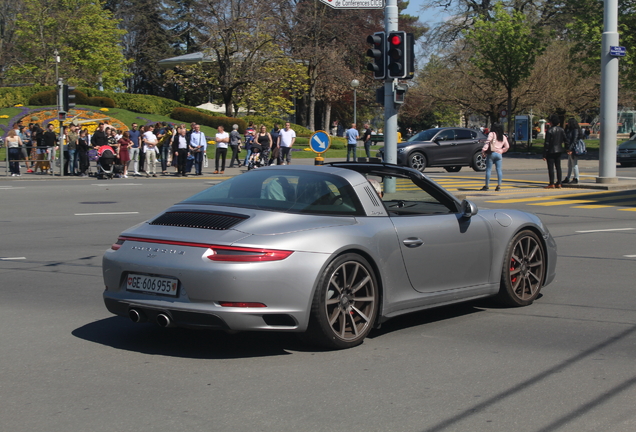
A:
(496, 145)
(37, 136)
(165, 147)
(71, 139)
(198, 145)
(49, 139)
(573, 133)
(123, 153)
(552, 151)
(14, 143)
(250, 135)
(180, 151)
(286, 142)
(150, 150)
(235, 143)
(352, 142)
(264, 139)
(222, 141)
(133, 150)
(366, 138)
(82, 153)
(275, 134)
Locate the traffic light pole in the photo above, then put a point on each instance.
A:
(390, 110)
(61, 116)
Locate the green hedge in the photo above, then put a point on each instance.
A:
(11, 96)
(270, 121)
(188, 115)
(49, 97)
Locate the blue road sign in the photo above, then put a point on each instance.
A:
(320, 141)
(618, 51)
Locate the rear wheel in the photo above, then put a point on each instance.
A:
(418, 161)
(479, 162)
(345, 303)
(453, 168)
(523, 270)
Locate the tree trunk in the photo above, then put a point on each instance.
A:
(327, 118)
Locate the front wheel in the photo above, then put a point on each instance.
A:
(418, 161)
(523, 270)
(345, 303)
(479, 162)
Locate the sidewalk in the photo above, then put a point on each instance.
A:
(512, 162)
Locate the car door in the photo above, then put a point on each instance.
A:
(466, 144)
(441, 249)
(442, 151)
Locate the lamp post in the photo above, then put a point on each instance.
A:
(354, 83)
(57, 62)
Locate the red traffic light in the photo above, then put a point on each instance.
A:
(395, 39)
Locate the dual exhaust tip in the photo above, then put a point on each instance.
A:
(138, 316)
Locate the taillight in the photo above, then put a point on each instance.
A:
(117, 245)
(219, 253)
(239, 254)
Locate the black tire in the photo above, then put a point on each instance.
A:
(345, 304)
(479, 162)
(417, 160)
(523, 270)
(453, 168)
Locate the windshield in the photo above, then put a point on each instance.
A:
(426, 135)
(628, 145)
(284, 190)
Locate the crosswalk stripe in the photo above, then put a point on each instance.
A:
(558, 203)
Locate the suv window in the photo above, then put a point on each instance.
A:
(463, 134)
(446, 135)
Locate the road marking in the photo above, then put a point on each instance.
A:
(627, 209)
(606, 230)
(11, 187)
(629, 256)
(592, 206)
(12, 258)
(558, 203)
(112, 213)
(117, 184)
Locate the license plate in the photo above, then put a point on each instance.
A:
(152, 284)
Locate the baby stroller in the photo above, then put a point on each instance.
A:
(258, 158)
(105, 163)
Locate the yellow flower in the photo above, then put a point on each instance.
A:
(18, 105)
(211, 142)
(4, 116)
(104, 109)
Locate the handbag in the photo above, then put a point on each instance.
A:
(579, 148)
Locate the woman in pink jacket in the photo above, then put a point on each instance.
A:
(496, 145)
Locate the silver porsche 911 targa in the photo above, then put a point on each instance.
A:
(321, 250)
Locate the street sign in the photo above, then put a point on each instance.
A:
(354, 4)
(618, 51)
(320, 142)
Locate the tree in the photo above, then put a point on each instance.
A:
(505, 48)
(85, 35)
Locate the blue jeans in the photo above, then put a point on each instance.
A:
(496, 159)
(352, 149)
(72, 161)
(248, 153)
(165, 151)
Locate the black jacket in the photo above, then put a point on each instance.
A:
(573, 137)
(554, 140)
(99, 138)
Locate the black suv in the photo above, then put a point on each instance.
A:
(451, 148)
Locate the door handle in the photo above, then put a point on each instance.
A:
(413, 242)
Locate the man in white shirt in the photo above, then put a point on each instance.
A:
(287, 139)
(198, 146)
(222, 140)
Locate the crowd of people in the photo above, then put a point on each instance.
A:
(138, 151)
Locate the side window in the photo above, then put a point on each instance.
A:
(446, 135)
(473, 134)
(410, 199)
(463, 134)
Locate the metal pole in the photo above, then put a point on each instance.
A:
(355, 121)
(609, 95)
(57, 61)
(60, 139)
(390, 111)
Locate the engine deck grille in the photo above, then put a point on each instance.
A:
(202, 220)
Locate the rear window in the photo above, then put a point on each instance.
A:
(284, 190)
(463, 134)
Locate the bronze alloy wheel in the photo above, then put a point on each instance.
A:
(345, 304)
(524, 270)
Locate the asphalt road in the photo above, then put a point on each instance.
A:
(565, 363)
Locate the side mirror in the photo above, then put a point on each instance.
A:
(469, 209)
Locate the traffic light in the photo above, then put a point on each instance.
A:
(378, 54)
(397, 67)
(68, 99)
